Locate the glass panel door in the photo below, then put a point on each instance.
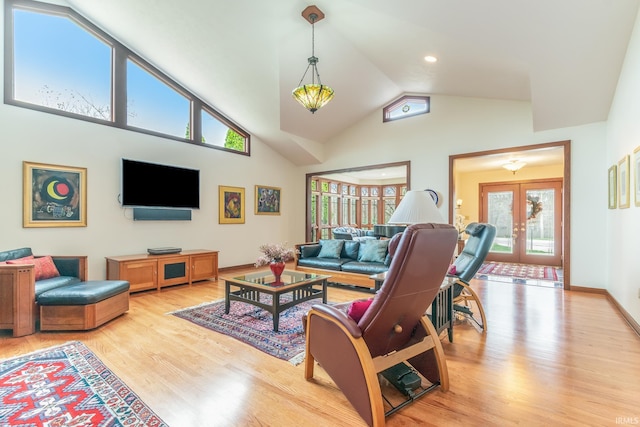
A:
(527, 217)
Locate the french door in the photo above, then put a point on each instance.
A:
(528, 218)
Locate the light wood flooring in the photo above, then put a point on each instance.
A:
(550, 357)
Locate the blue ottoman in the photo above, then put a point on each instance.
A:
(84, 305)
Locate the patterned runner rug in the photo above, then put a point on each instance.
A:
(538, 272)
(67, 385)
(254, 326)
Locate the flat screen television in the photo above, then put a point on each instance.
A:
(161, 186)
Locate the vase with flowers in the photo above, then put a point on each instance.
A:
(275, 255)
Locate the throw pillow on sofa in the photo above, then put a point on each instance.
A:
(330, 248)
(373, 250)
(44, 268)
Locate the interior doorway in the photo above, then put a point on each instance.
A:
(466, 172)
(328, 212)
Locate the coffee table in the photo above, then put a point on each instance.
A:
(301, 286)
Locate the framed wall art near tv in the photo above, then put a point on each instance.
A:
(54, 196)
(613, 188)
(636, 175)
(231, 205)
(267, 200)
(623, 183)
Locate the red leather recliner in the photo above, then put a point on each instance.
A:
(394, 328)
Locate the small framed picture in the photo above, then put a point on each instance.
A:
(613, 188)
(267, 200)
(54, 196)
(623, 183)
(231, 201)
(636, 175)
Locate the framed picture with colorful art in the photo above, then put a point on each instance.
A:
(231, 205)
(613, 188)
(54, 196)
(267, 200)
(623, 183)
(636, 175)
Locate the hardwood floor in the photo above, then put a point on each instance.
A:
(551, 357)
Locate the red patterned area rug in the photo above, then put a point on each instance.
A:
(254, 326)
(525, 271)
(67, 386)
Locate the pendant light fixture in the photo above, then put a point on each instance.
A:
(514, 165)
(314, 95)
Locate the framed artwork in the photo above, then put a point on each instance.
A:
(54, 196)
(636, 175)
(231, 205)
(623, 183)
(267, 200)
(613, 188)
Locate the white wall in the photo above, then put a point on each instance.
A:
(33, 136)
(623, 225)
(459, 125)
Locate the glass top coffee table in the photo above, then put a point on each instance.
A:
(249, 287)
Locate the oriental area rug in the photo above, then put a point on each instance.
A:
(254, 326)
(524, 271)
(68, 385)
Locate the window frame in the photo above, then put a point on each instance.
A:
(120, 55)
(388, 109)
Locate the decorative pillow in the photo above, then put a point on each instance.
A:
(452, 269)
(309, 251)
(350, 249)
(330, 248)
(23, 260)
(358, 308)
(373, 251)
(44, 267)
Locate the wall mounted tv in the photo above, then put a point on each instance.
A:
(160, 186)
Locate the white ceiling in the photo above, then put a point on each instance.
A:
(245, 56)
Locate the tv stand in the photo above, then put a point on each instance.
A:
(147, 271)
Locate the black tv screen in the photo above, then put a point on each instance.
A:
(163, 186)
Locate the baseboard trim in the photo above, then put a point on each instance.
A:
(625, 314)
(589, 290)
(630, 320)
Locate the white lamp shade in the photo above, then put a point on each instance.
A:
(417, 207)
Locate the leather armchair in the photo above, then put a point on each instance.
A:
(467, 264)
(393, 329)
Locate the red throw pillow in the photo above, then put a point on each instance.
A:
(358, 308)
(44, 267)
(452, 269)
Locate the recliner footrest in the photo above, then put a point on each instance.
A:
(403, 378)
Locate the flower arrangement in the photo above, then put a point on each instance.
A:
(274, 252)
(459, 225)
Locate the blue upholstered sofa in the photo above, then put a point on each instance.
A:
(346, 261)
(72, 269)
(352, 233)
(19, 282)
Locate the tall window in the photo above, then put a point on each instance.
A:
(60, 63)
(154, 105)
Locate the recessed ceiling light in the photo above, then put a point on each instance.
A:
(430, 58)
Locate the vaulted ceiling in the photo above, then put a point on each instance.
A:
(245, 56)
